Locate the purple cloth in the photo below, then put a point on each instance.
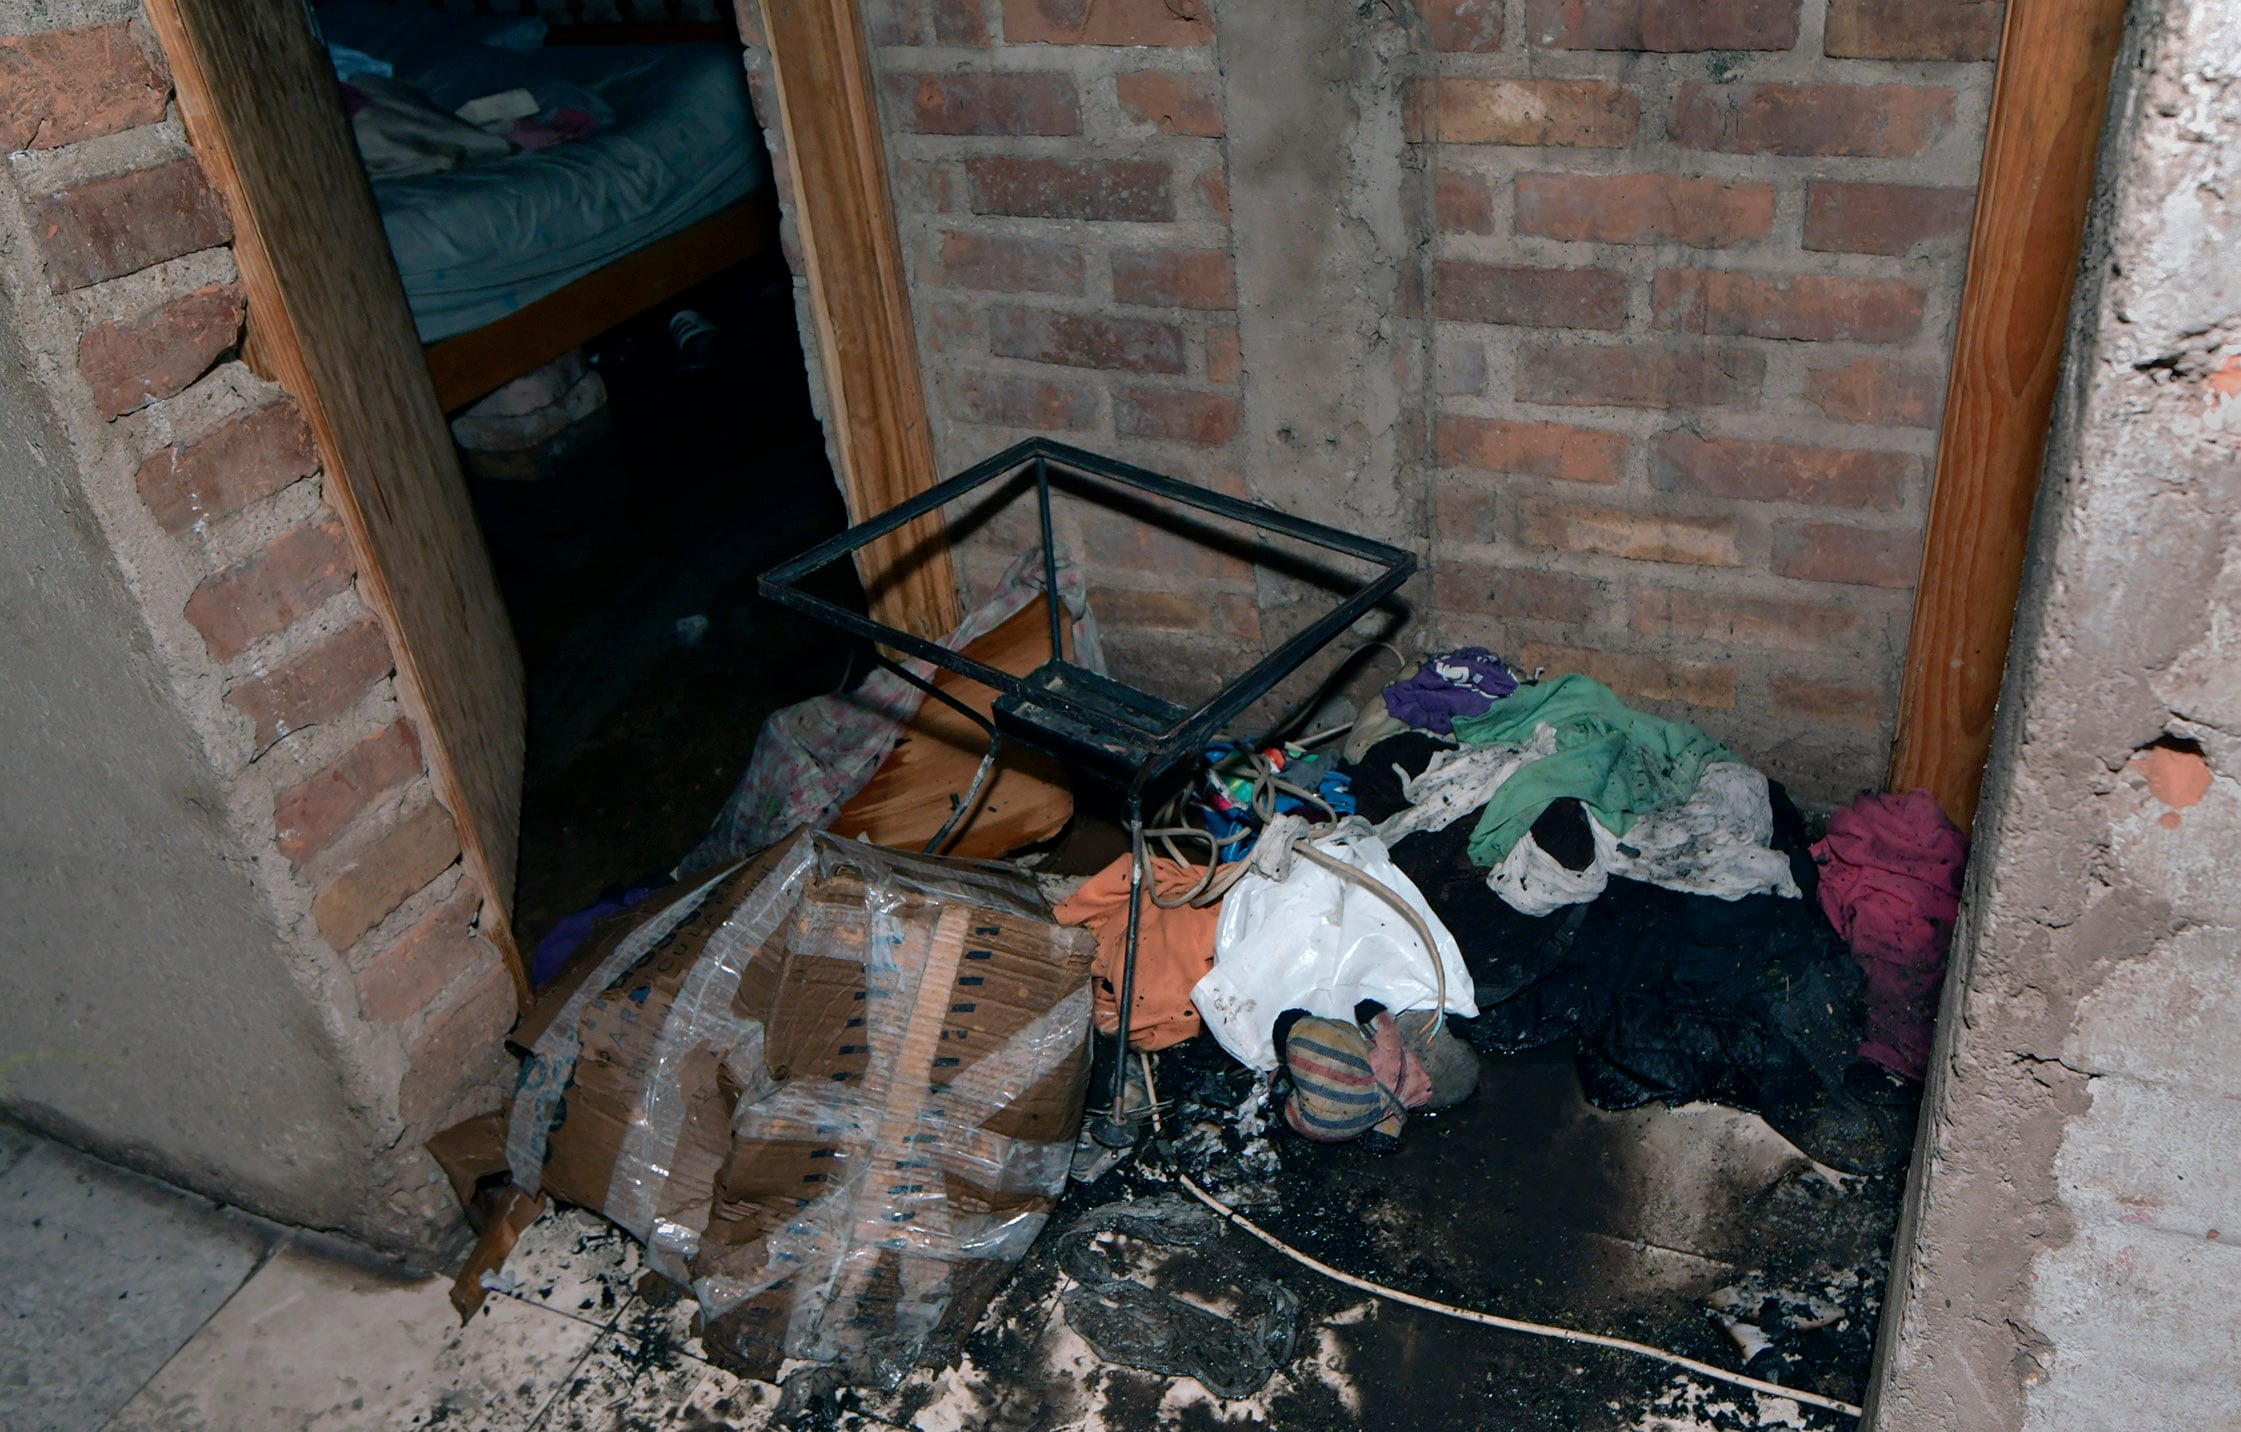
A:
(1455, 683)
(565, 938)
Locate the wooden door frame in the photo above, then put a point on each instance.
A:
(827, 109)
(2049, 106)
(327, 320)
(866, 342)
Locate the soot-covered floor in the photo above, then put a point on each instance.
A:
(1523, 1201)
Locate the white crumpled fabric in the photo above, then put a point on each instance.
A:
(1319, 942)
(1714, 843)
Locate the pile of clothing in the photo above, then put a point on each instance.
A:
(1624, 882)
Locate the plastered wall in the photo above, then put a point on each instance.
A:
(2068, 1260)
(240, 951)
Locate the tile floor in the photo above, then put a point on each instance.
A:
(133, 1308)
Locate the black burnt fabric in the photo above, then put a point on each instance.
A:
(1375, 784)
(1753, 1003)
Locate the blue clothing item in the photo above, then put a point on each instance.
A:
(1457, 683)
(564, 939)
(1227, 814)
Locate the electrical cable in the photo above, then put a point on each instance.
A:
(1219, 876)
(1471, 1315)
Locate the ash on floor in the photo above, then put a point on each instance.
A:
(1524, 1201)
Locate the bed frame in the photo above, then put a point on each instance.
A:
(483, 360)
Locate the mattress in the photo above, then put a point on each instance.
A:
(678, 142)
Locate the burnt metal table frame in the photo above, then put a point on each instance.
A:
(1104, 728)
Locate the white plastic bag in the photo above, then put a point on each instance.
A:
(1319, 942)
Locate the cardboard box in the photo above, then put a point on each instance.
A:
(836, 1089)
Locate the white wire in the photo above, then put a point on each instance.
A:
(1469, 1315)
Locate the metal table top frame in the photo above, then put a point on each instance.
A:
(1136, 737)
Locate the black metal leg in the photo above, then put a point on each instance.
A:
(1115, 1129)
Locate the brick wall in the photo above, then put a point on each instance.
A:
(1059, 175)
(205, 482)
(1696, 273)
(1692, 276)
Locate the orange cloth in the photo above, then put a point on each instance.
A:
(1174, 950)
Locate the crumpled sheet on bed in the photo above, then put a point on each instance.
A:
(677, 141)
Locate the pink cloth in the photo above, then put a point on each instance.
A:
(1891, 884)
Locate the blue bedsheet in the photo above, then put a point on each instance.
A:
(478, 243)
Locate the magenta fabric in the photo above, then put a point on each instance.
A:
(1891, 884)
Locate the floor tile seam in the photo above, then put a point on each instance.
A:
(264, 1260)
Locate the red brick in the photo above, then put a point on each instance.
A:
(1200, 419)
(1230, 614)
(1884, 218)
(1224, 360)
(1913, 29)
(1514, 593)
(1080, 340)
(1876, 390)
(921, 187)
(1865, 707)
(129, 365)
(1180, 547)
(1004, 401)
(1670, 26)
(1778, 472)
(1743, 621)
(1175, 278)
(1834, 552)
(1580, 114)
(1108, 22)
(225, 469)
(1644, 209)
(1872, 121)
(1531, 449)
(1117, 190)
(127, 222)
(264, 591)
(61, 86)
(1008, 265)
(1462, 512)
(982, 103)
(1214, 184)
(1171, 103)
(1638, 536)
(460, 1058)
(1462, 203)
(1466, 292)
(891, 22)
(1640, 678)
(399, 982)
(1813, 307)
(1634, 375)
(1469, 26)
(320, 684)
(960, 22)
(385, 874)
(308, 815)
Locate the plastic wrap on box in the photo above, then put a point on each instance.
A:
(834, 1088)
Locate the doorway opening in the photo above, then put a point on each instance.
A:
(582, 220)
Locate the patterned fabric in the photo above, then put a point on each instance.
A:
(1349, 1079)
